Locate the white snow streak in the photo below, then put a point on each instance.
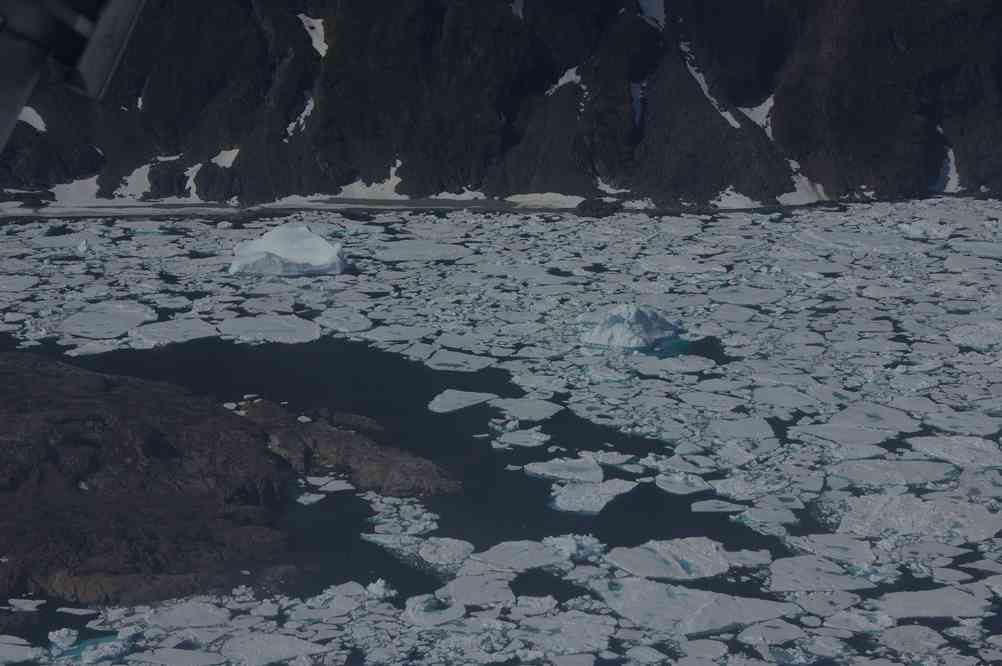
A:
(653, 12)
(761, 115)
(545, 200)
(32, 117)
(690, 63)
(949, 179)
(731, 198)
(136, 184)
(804, 192)
(315, 29)
(225, 158)
(384, 190)
(568, 77)
(300, 123)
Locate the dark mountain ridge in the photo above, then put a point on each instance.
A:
(885, 99)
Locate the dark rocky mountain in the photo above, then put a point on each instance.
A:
(867, 97)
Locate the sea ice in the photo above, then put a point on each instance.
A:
(344, 320)
(177, 657)
(264, 649)
(589, 498)
(451, 400)
(681, 483)
(567, 469)
(107, 320)
(182, 329)
(687, 611)
(809, 573)
(943, 602)
(679, 559)
(526, 409)
(629, 327)
(271, 328)
(291, 249)
(520, 556)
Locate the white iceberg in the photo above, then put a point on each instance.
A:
(630, 327)
(291, 249)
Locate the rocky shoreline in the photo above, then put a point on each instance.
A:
(121, 490)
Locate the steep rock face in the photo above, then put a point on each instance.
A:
(462, 94)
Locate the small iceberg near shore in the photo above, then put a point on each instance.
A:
(289, 250)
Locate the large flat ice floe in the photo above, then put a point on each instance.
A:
(833, 399)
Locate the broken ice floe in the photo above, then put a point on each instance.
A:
(867, 402)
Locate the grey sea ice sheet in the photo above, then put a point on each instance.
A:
(835, 462)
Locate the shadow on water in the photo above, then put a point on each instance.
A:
(496, 504)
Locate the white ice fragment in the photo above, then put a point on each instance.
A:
(521, 556)
(344, 320)
(481, 591)
(983, 336)
(809, 573)
(17, 653)
(107, 320)
(26, 605)
(451, 400)
(226, 158)
(32, 117)
(287, 329)
(385, 190)
(530, 438)
(947, 602)
(446, 359)
(961, 450)
(682, 483)
(291, 249)
(567, 469)
(948, 520)
(427, 610)
(687, 611)
(187, 615)
(255, 649)
(629, 327)
(445, 555)
(63, 638)
(678, 559)
(527, 409)
(421, 250)
(731, 199)
(589, 498)
(177, 657)
(170, 332)
(518, 8)
(315, 29)
(690, 62)
(17, 283)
